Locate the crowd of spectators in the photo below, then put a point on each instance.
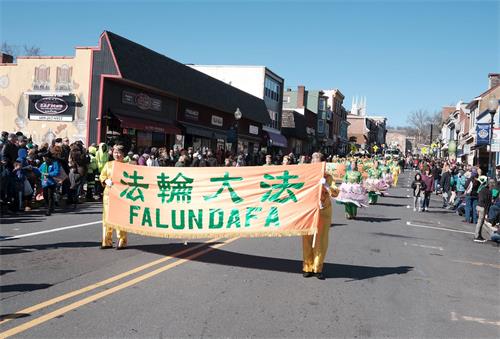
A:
(463, 188)
(66, 174)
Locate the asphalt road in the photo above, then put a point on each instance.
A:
(390, 273)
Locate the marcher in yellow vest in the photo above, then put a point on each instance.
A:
(315, 256)
(105, 179)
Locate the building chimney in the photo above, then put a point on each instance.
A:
(494, 79)
(6, 58)
(301, 92)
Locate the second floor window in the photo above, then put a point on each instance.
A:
(41, 79)
(63, 78)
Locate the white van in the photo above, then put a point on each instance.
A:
(392, 153)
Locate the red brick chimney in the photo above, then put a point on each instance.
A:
(494, 79)
(301, 91)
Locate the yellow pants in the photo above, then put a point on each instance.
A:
(107, 232)
(315, 256)
(395, 180)
(107, 237)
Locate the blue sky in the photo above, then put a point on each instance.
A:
(403, 56)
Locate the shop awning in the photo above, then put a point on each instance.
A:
(206, 132)
(277, 139)
(147, 125)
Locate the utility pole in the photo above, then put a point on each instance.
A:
(430, 141)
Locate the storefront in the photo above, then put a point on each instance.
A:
(152, 100)
(295, 131)
(139, 116)
(46, 97)
(203, 128)
(275, 142)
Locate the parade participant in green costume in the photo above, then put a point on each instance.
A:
(374, 184)
(352, 193)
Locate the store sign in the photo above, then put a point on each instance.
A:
(253, 130)
(191, 114)
(495, 141)
(51, 108)
(217, 121)
(483, 134)
(141, 100)
(466, 149)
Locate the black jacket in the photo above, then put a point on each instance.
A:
(446, 181)
(418, 188)
(484, 198)
(475, 187)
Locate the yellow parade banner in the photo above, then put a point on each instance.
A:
(205, 202)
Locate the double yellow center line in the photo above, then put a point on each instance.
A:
(37, 321)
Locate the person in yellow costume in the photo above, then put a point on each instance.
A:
(105, 179)
(395, 169)
(314, 256)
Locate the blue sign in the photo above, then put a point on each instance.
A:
(483, 134)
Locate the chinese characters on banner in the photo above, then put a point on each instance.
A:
(336, 170)
(177, 202)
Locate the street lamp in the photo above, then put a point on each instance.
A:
(492, 108)
(457, 130)
(237, 116)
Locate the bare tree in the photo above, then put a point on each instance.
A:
(9, 49)
(419, 120)
(14, 50)
(31, 50)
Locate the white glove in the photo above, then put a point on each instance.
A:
(108, 182)
(324, 183)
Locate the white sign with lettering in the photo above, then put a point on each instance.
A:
(254, 130)
(217, 121)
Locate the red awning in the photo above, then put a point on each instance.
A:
(148, 125)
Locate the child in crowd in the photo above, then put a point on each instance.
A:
(75, 181)
(419, 187)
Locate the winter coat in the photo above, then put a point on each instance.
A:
(429, 182)
(446, 182)
(461, 179)
(475, 186)
(52, 170)
(102, 156)
(484, 199)
(418, 187)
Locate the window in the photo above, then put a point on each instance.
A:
(63, 78)
(42, 78)
(272, 89)
(286, 99)
(274, 119)
(322, 104)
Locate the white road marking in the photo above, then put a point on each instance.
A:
(455, 317)
(425, 246)
(477, 263)
(438, 228)
(50, 231)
